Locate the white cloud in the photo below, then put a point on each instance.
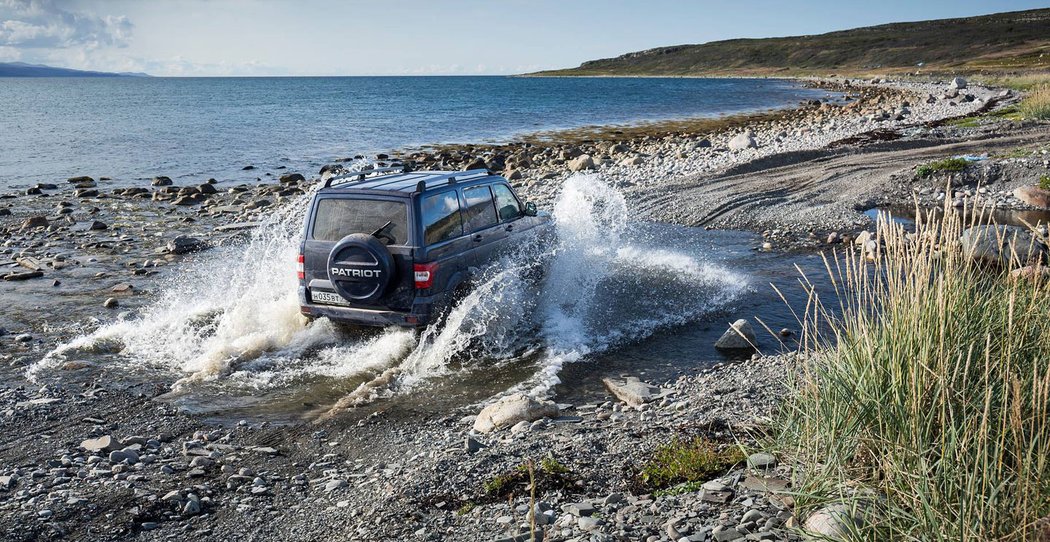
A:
(43, 24)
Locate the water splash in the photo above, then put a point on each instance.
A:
(605, 284)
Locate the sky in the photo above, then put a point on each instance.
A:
(412, 37)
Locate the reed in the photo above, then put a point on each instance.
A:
(925, 400)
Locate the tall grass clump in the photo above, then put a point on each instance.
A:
(1036, 105)
(924, 402)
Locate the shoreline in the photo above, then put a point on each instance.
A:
(368, 473)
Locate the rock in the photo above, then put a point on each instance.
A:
(579, 509)
(1003, 244)
(833, 522)
(333, 485)
(111, 303)
(122, 287)
(8, 482)
(725, 534)
(1031, 272)
(258, 204)
(513, 174)
(589, 524)
(11, 277)
(80, 179)
(207, 188)
(247, 168)
(35, 222)
(1034, 196)
(761, 461)
(97, 226)
(703, 144)
(124, 456)
(473, 446)
(33, 191)
(192, 508)
(476, 163)
(161, 180)
(184, 245)
(511, 410)
(632, 161)
(104, 443)
(958, 83)
(581, 163)
(833, 238)
(632, 391)
(742, 141)
(739, 336)
(292, 178)
(86, 193)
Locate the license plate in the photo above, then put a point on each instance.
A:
(328, 298)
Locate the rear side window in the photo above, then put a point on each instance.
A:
(336, 218)
(441, 218)
(480, 212)
(507, 205)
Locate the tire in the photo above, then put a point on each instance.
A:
(361, 268)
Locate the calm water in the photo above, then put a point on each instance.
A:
(132, 129)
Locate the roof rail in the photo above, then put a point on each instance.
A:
(454, 176)
(360, 175)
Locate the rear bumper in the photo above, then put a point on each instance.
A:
(419, 316)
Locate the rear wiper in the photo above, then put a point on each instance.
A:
(382, 229)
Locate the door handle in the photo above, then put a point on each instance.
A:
(510, 227)
(477, 238)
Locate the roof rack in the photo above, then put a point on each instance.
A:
(453, 176)
(360, 175)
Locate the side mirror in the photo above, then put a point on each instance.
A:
(530, 209)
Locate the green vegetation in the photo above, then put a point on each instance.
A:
(948, 164)
(466, 509)
(1044, 182)
(930, 394)
(682, 461)
(1036, 105)
(551, 474)
(680, 489)
(989, 43)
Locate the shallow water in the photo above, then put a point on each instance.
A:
(195, 128)
(617, 296)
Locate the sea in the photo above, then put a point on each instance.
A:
(192, 129)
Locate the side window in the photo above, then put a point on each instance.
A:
(441, 218)
(480, 212)
(507, 205)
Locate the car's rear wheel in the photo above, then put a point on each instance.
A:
(361, 268)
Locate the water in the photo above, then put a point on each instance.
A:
(135, 128)
(617, 296)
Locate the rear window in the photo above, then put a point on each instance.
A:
(441, 218)
(336, 218)
(480, 212)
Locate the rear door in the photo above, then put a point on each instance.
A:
(441, 222)
(338, 215)
(481, 223)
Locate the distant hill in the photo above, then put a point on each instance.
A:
(21, 69)
(1015, 41)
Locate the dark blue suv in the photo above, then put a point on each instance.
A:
(394, 247)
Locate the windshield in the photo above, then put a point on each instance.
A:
(336, 218)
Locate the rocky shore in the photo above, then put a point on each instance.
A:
(86, 458)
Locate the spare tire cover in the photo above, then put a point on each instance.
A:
(360, 267)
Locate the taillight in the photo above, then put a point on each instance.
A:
(424, 273)
(300, 270)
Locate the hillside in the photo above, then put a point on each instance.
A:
(21, 69)
(989, 43)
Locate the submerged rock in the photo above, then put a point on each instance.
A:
(184, 245)
(1003, 244)
(513, 409)
(739, 336)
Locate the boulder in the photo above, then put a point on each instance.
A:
(632, 391)
(104, 443)
(742, 141)
(581, 163)
(161, 180)
(632, 161)
(833, 522)
(80, 179)
(958, 83)
(184, 244)
(292, 178)
(35, 222)
(739, 336)
(1000, 244)
(476, 163)
(1034, 196)
(512, 174)
(512, 409)
(207, 188)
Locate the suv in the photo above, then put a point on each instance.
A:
(393, 247)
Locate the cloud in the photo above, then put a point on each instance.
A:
(43, 24)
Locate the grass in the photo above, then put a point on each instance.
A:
(1044, 182)
(1036, 105)
(551, 474)
(684, 461)
(927, 401)
(948, 164)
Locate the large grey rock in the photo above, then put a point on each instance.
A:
(581, 163)
(513, 409)
(104, 443)
(632, 391)
(741, 142)
(1003, 245)
(833, 522)
(958, 83)
(184, 244)
(739, 336)
(1034, 196)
